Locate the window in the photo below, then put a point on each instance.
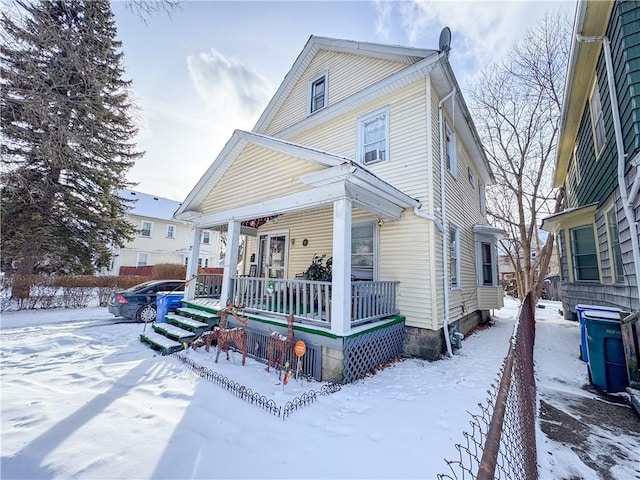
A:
(203, 262)
(143, 259)
(373, 137)
(362, 252)
(146, 229)
(597, 119)
(171, 231)
(450, 149)
(318, 94)
(617, 268)
(585, 258)
(487, 263)
(576, 165)
(472, 177)
(483, 203)
(206, 237)
(454, 252)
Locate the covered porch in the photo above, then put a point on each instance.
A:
(337, 187)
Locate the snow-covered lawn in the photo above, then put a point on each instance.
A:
(81, 398)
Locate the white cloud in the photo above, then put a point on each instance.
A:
(383, 20)
(232, 93)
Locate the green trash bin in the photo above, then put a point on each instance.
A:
(607, 367)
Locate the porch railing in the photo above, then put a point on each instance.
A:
(310, 301)
(209, 285)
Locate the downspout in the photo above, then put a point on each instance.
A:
(443, 206)
(627, 202)
(428, 216)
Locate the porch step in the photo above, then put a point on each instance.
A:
(174, 332)
(194, 326)
(208, 317)
(160, 342)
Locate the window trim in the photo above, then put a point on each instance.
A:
(375, 233)
(208, 233)
(173, 227)
(483, 198)
(576, 165)
(451, 156)
(571, 257)
(142, 222)
(597, 121)
(617, 277)
(147, 261)
(384, 111)
(454, 234)
(472, 177)
(310, 93)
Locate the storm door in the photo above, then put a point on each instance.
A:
(272, 255)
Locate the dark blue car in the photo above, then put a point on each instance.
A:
(139, 302)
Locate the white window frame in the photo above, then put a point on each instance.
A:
(362, 121)
(375, 233)
(482, 198)
(597, 119)
(171, 231)
(617, 272)
(481, 241)
(454, 257)
(147, 259)
(142, 229)
(206, 235)
(311, 103)
(576, 165)
(450, 149)
(472, 177)
(574, 254)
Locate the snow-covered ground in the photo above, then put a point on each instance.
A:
(82, 398)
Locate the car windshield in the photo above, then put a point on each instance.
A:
(139, 287)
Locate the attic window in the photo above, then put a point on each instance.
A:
(318, 94)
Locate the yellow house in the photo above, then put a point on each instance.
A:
(366, 155)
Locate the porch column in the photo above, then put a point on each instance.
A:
(192, 264)
(230, 262)
(341, 281)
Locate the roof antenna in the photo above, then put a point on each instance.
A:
(444, 45)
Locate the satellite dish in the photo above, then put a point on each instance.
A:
(445, 40)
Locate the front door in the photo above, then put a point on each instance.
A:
(272, 255)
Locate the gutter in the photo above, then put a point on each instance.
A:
(627, 201)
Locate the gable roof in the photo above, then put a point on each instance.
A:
(240, 139)
(406, 55)
(151, 206)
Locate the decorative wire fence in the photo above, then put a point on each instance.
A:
(502, 440)
(254, 398)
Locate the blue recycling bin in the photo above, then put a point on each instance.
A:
(580, 308)
(607, 367)
(166, 301)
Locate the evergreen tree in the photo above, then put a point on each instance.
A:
(67, 140)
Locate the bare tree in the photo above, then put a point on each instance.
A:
(517, 106)
(145, 9)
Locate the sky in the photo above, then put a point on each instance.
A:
(83, 398)
(211, 67)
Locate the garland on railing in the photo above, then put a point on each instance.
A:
(255, 398)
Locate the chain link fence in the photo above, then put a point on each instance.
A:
(501, 443)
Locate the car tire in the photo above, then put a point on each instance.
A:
(146, 314)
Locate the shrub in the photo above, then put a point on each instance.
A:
(169, 271)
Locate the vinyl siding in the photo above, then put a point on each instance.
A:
(347, 74)
(274, 175)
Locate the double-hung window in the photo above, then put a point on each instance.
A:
(597, 119)
(373, 137)
(146, 229)
(584, 255)
(486, 252)
(143, 259)
(450, 149)
(318, 94)
(206, 237)
(617, 268)
(171, 231)
(482, 199)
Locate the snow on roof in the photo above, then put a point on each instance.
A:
(151, 206)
